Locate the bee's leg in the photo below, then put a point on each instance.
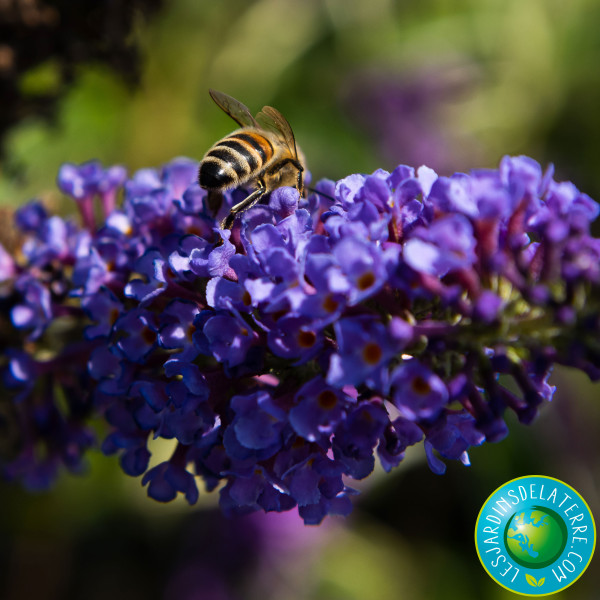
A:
(214, 200)
(245, 204)
(297, 165)
(300, 181)
(299, 177)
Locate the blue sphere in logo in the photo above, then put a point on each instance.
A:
(535, 537)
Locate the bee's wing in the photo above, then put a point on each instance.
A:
(271, 119)
(235, 109)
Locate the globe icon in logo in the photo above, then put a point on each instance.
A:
(535, 537)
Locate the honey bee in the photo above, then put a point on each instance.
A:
(262, 153)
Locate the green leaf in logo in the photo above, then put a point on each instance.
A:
(531, 580)
(541, 582)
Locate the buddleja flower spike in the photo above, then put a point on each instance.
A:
(283, 354)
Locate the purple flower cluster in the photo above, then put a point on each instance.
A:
(283, 355)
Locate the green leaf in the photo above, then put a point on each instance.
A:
(541, 582)
(531, 580)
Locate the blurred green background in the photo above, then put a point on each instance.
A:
(452, 84)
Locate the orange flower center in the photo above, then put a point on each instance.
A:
(372, 353)
(327, 400)
(307, 339)
(330, 305)
(148, 335)
(365, 281)
(420, 386)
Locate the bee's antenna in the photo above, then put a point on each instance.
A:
(314, 191)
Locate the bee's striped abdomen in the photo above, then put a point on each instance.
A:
(256, 143)
(234, 160)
